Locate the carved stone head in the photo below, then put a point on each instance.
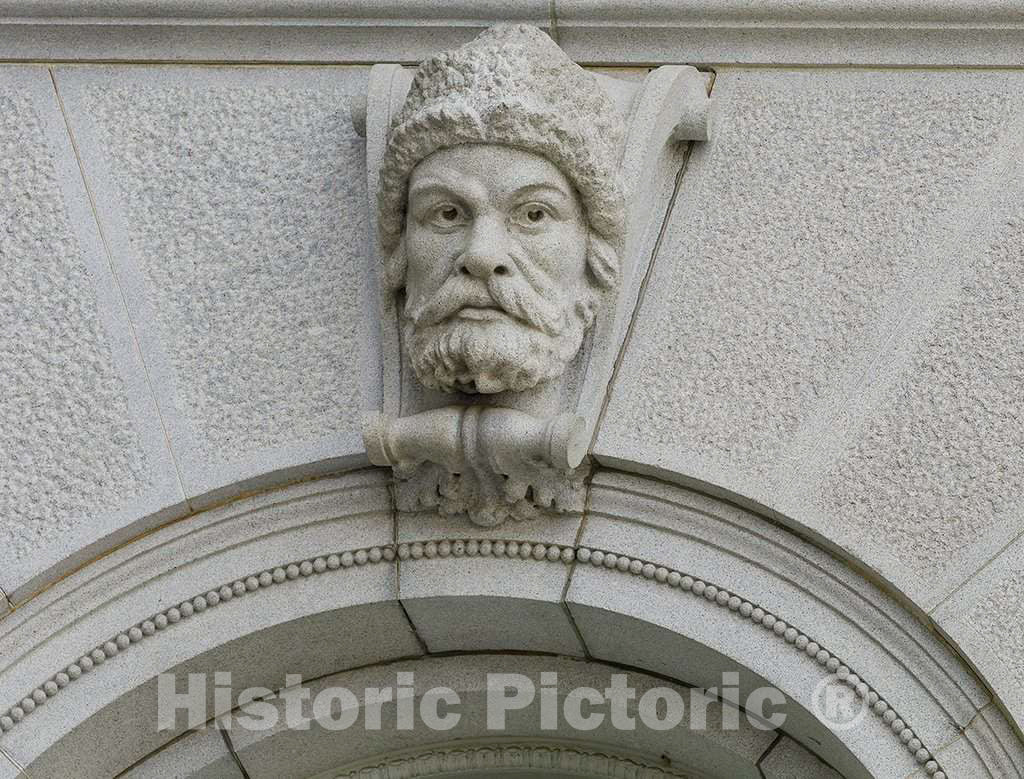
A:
(501, 213)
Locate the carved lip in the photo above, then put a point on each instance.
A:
(480, 313)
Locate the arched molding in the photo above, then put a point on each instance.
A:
(462, 759)
(271, 579)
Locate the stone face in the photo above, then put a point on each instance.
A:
(80, 441)
(234, 205)
(783, 350)
(501, 215)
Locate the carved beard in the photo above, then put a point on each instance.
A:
(538, 335)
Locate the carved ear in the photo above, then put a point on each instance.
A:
(603, 261)
(395, 266)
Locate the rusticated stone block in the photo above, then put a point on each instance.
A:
(937, 476)
(234, 201)
(829, 329)
(81, 449)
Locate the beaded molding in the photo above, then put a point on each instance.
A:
(524, 550)
(566, 760)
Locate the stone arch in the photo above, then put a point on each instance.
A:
(318, 579)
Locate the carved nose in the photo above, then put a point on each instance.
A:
(482, 265)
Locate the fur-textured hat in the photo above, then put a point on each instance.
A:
(510, 85)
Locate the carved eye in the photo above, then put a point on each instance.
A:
(532, 216)
(446, 216)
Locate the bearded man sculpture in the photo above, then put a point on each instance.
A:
(501, 212)
(501, 221)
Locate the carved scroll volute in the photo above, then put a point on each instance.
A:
(668, 109)
(468, 427)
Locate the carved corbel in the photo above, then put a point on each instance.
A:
(516, 199)
(489, 463)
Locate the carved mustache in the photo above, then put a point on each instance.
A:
(530, 299)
